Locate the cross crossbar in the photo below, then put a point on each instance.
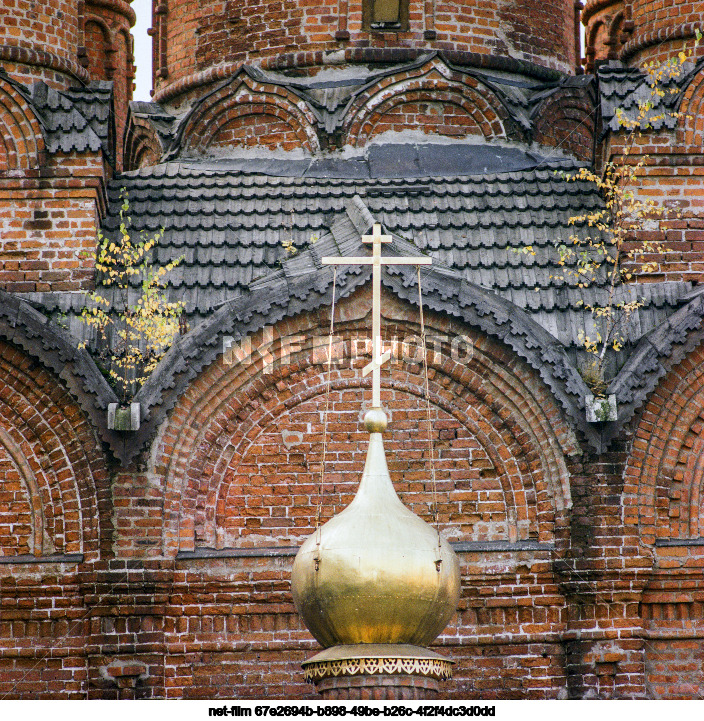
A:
(376, 261)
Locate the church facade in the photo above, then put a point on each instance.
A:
(155, 561)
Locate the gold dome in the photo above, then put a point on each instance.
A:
(376, 572)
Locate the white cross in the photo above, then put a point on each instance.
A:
(376, 261)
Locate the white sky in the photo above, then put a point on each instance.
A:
(142, 49)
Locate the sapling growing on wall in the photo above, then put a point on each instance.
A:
(615, 250)
(142, 321)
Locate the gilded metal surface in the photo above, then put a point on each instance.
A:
(376, 573)
(370, 659)
(375, 420)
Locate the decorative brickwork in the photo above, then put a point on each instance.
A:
(40, 41)
(142, 147)
(220, 491)
(245, 113)
(109, 55)
(51, 463)
(660, 30)
(157, 564)
(432, 99)
(21, 140)
(194, 37)
(566, 120)
(606, 24)
(664, 474)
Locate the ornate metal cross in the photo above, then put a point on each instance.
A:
(376, 261)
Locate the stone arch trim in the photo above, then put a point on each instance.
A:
(59, 456)
(665, 472)
(566, 119)
(29, 481)
(22, 146)
(433, 80)
(43, 59)
(692, 109)
(245, 96)
(226, 403)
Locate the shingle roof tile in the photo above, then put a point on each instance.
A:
(230, 226)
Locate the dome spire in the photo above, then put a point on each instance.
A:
(376, 581)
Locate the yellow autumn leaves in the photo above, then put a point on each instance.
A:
(620, 250)
(138, 322)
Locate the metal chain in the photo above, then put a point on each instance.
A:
(427, 405)
(318, 510)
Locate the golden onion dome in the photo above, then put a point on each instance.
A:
(376, 572)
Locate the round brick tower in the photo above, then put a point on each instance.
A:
(606, 24)
(661, 28)
(199, 41)
(40, 40)
(69, 44)
(107, 52)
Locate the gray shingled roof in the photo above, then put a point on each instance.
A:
(77, 119)
(229, 225)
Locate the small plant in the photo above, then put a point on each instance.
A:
(144, 330)
(618, 249)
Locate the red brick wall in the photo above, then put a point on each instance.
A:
(48, 33)
(193, 37)
(674, 669)
(604, 25)
(672, 177)
(566, 121)
(431, 117)
(245, 113)
(45, 440)
(15, 509)
(205, 504)
(257, 131)
(236, 466)
(109, 55)
(661, 29)
(48, 223)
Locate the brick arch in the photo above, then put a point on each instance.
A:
(495, 406)
(665, 473)
(566, 120)
(245, 101)
(142, 148)
(100, 47)
(434, 83)
(21, 502)
(21, 139)
(54, 448)
(692, 109)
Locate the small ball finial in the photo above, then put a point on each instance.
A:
(375, 420)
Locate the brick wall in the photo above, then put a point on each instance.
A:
(672, 177)
(257, 131)
(191, 38)
(660, 29)
(189, 595)
(566, 120)
(605, 22)
(109, 56)
(39, 40)
(48, 224)
(16, 517)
